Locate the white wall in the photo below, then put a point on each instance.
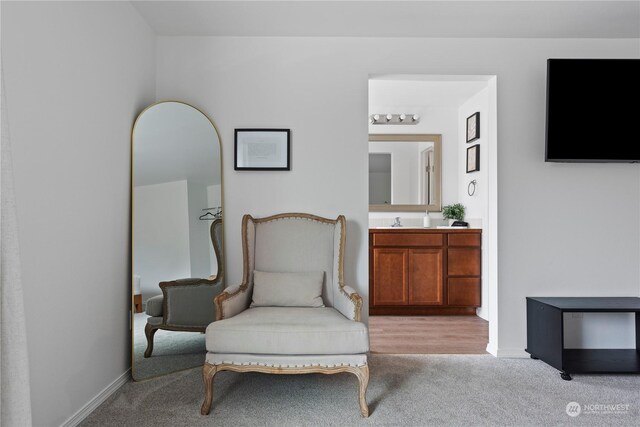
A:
(477, 206)
(162, 243)
(76, 76)
(199, 237)
(599, 330)
(551, 235)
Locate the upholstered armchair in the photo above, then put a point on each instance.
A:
(186, 304)
(292, 313)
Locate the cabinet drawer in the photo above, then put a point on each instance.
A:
(464, 291)
(464, 239)
(463, 262)
(407, 239)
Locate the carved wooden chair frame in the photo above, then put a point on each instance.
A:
(361, 372)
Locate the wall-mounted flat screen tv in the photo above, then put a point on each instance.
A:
(593, 110)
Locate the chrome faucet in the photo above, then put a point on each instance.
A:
(397, 223)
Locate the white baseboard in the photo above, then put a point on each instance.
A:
(91, 405)
(482, 313)
(492, 349)
(511, 353)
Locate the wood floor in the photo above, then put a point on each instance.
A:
(428, 334)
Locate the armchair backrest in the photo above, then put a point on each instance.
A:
(295, 243)
(216, 241)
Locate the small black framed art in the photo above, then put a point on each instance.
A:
(262, 149)
(473, 127)
(473, 158)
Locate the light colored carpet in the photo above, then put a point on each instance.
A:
(406, 390)
(172, 351)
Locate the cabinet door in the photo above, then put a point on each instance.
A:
(425, 277)
(390, 276)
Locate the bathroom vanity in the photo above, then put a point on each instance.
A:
(424, 271)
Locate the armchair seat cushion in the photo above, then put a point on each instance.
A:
(154, 306)
(288, 330)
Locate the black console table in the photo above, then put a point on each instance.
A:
(545, 335)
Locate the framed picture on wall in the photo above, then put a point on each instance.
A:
(262, 149)
(473, 158)
(473, 127)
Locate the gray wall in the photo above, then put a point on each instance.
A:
(554, 233)
(76, 75)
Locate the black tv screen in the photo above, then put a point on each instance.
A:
(593, 110)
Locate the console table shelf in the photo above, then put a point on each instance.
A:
(545, 335)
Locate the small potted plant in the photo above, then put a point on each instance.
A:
(453, 212)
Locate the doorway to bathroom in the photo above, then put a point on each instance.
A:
(433, 286)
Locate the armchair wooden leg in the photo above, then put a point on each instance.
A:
(149, 331)
(208, 372)
(362, 373)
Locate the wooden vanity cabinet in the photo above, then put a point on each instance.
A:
(424, 271)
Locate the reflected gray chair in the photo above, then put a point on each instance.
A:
(279, 336)
(186, 304)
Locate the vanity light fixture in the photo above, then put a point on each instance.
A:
(394, 119)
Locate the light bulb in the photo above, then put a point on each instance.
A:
(415, 118)
(389, 117)
(402, 117)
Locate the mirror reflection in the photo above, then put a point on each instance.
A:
(404, 172)
(177, 237)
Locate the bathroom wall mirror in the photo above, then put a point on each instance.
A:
(405, 172)
(176, 235)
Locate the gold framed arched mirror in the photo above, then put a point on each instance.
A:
(176, 229)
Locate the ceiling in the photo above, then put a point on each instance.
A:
(395, 18)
